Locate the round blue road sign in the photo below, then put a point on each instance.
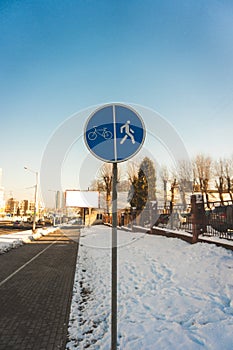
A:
(114, 133)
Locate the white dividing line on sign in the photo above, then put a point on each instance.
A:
(115, 135)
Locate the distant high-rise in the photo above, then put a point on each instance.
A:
(58, 200)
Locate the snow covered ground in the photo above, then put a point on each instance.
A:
(14, 240)
(171, 295)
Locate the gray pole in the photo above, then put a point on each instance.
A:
(114, 257)
(35, 205)
(35, 199)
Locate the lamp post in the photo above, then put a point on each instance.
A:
(55, 207)
(35, 197)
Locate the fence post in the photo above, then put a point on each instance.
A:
(154, 214)
(122, 219)
(198, 217)
(171, 215)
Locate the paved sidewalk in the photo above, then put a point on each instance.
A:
(36, 283)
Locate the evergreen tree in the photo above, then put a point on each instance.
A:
(143, 186)
(148, 170)
(142, 189)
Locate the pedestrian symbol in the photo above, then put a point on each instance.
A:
(114, 133)
(128, 132)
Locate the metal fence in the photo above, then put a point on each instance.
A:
(217, 219)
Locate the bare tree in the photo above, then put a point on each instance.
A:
(218, 172)
(173, 188)
(106, 178)
(123, 185)
(132, 171)
(97, 185)
(184, 178)
(164, 175)
(103, 183)
(202, 174)
(228, 173)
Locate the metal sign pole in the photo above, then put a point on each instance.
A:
(114, 257)
(114, 133)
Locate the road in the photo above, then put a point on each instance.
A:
(36, 283)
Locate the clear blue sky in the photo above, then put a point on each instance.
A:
(58, 57)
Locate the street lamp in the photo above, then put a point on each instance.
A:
(55, 207)
(35, 199)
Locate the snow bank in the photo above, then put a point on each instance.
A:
(171, 295)
(15, 240)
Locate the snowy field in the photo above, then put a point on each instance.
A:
(171, 295)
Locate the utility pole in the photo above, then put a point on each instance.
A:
(35, 197)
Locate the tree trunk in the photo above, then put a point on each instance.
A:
(220, 189)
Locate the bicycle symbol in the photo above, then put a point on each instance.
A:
(106, 134)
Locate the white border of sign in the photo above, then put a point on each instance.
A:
(113, 105)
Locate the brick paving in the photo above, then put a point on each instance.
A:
(35, 301)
